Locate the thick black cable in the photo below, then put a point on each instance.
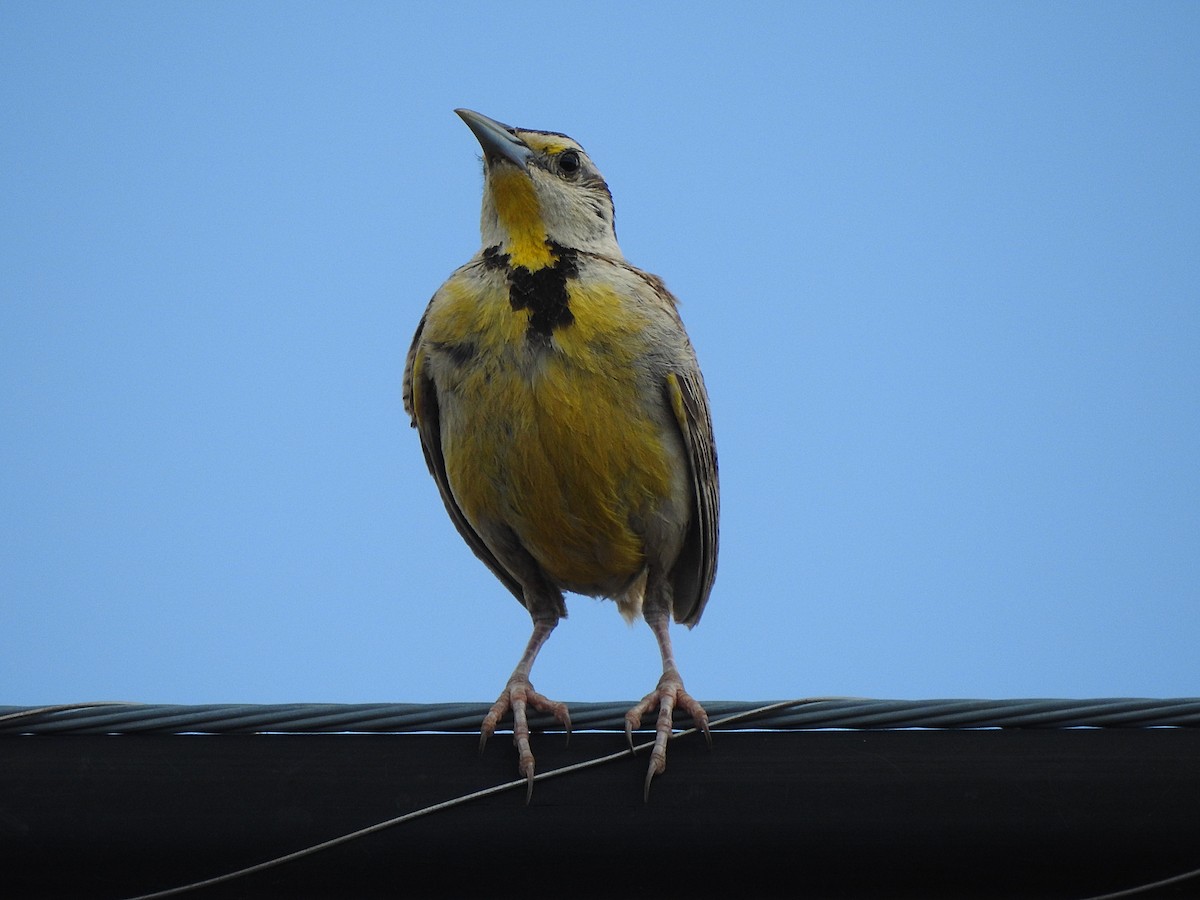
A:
(849, 713)
(809, 713)
(438, 807)
(9, 720)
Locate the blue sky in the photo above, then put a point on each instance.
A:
(941, 263)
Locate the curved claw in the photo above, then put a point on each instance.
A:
(700, 720)
(518, 695)
(650, 773)
(665, 697)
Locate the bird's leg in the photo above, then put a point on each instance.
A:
(665, 697)
(518, 695)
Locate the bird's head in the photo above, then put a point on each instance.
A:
(540, 188)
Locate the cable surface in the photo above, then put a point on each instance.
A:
(848, 713)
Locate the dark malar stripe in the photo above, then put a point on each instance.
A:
(494, 259)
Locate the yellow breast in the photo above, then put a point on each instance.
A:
(557, 442)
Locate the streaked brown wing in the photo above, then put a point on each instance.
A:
(696, 568)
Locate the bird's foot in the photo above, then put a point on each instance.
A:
(668, 695)
(518, 695)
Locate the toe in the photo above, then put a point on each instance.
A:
(502, 705)
(518, 696)
(668, 695)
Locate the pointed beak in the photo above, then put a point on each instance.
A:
(496, 139)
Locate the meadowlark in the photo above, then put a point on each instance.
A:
(563, 416)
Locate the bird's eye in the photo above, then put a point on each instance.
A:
(568, 162)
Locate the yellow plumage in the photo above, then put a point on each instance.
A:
(564, 418)
(561, 450)
(517, 207)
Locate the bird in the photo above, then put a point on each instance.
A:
(562, 413)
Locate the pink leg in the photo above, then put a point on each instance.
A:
(665, 697)
(518, 695)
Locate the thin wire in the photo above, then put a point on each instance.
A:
(456, 801)
(1148, 886)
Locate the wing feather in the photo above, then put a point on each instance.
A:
(421, 402)
(696, 569)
